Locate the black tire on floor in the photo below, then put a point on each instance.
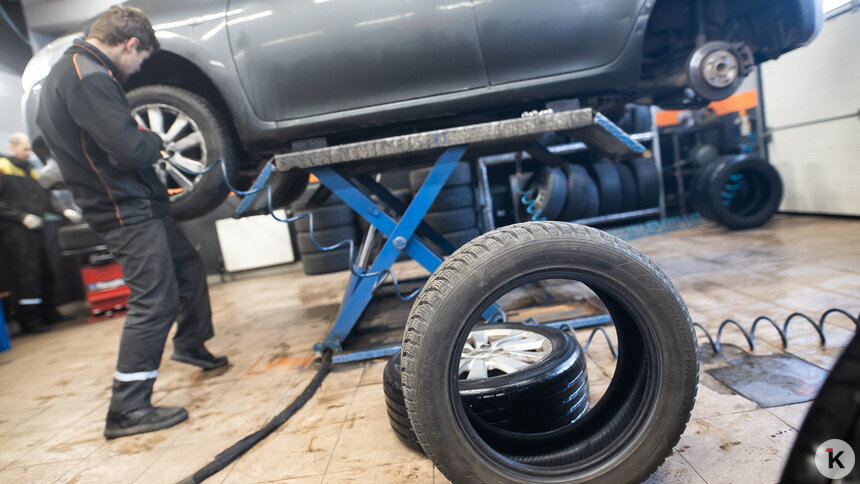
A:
(450, 198)
(78, 237)
(325, 262)
(539, 402)
(647, 182)
(461, 237)
(398, 416)
(544, 398)
(550, 191)
(698, 188)
(577, 190)
(452, 220)
(462, 175)
(326, 218)
(834, 414)
(629, 191)
(608, 186)
(325, 238)
(208, 190)
(754, 184)
(644, 411)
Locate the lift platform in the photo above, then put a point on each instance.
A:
(347, 171)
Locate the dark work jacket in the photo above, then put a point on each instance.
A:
(105, 158)
(20, 193)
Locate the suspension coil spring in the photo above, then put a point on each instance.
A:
(730, 190)
(380, 275)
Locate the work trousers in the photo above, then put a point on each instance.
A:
(168, 283)
(29, 271)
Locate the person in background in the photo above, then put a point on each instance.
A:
(23, 207)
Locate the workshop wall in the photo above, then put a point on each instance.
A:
(818, 161)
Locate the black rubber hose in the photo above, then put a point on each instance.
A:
(232, 453)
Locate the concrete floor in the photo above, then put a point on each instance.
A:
(54, 387)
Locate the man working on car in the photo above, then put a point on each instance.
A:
(107, 162)
(23, 206)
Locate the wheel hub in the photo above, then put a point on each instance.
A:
(720, 69)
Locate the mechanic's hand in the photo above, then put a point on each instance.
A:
(32, 222)
(73, 216)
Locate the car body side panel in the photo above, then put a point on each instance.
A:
(196, 31)
(538, 38)
(300, 58)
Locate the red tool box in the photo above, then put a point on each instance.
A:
(106, 291)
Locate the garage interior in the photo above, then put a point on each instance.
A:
(773, 305)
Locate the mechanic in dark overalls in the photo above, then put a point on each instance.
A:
(107, 163)
(23, 206)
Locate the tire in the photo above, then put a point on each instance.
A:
(398, 416)
(577, 190)
(591, 203)
(78, 237)
(461, 237)
(452, 220)
(644, 411)
(326, 218)
(754, 185)
(608, 186)
(702, 153)
(396, 180)
(209, 190)
(550, 188)
(461, 175)
(834, 414)
(540, 401)
(629, 191)
(325, 262)
(647, 182)
(548, 395)
(325, 238)
(699, 190)
(450, 198)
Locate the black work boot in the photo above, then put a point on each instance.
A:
(30, 319)
(132, 413)
(199, 356)
(146, 419)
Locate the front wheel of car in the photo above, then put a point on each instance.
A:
(198, 135)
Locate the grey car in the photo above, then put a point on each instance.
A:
(241, 79)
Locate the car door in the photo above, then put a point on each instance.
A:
(527, 39)
(300, 58)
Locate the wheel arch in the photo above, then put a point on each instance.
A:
(171, 69)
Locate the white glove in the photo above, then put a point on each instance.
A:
(72, 215)
(32, 222)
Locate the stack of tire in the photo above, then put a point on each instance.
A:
(453, 213)
(541, 400)
(574, 192)
(738, 191)
(333, 222)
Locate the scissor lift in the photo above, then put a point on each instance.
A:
(346, 170)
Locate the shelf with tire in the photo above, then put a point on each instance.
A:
(454, 212)
(562, 181)
(719, 169)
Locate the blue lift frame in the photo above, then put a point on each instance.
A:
(403, 234)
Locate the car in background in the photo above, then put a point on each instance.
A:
(242, 79)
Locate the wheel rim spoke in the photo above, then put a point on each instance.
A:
(156, 120)
(191, 141)
(178, 125)
(478, 370)
(139, 120)
(480, 338)
(179, 178)
(526, 344)
(507, 364)
(188, 163)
